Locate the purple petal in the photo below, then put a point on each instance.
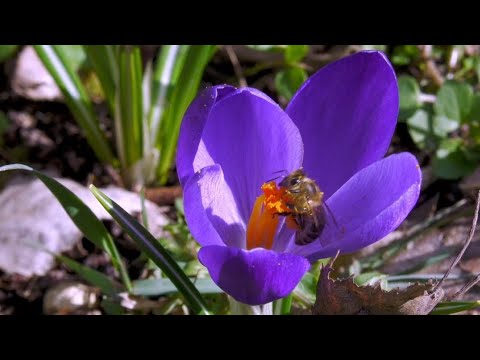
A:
(346, 114)
(192, 127)
(253, 277)
(368, 207)
(252, 139)
(210, 210)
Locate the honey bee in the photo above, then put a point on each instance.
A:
(305, 202)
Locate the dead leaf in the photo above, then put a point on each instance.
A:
(344, 297)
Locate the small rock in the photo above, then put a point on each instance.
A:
(31, 79)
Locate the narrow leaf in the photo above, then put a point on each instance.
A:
(157, 253)
(82, 217)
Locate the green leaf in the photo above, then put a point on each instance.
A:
(168, 68)
(420, 129)
(157, 287)
(152, 248)
(268, 48)
(306, 289)
(104, 62)
(7, 51)
(288, 81)
(295, 53)
(74, 55)
(405, 54)
(283, 306)
(76, 98)
(129, 119)
(454, 101)
(184, 92)
(442, 126)
(369, 278)
(94, 277)
(409, 95)
(453, 307)
(82, 216)
(450, 161)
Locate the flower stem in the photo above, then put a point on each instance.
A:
(238, 308)
(282, 306)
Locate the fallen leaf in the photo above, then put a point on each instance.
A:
(344, 297)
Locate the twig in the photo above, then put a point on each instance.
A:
(236, 66)
(465, 246)
(467, 287)
(430, 66)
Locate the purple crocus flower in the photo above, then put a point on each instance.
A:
(337, 127)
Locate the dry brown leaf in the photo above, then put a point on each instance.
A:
(344, 297)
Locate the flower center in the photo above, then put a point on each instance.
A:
(263, 223)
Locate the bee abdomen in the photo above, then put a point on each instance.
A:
(305, 236)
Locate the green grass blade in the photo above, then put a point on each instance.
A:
(77, 99)
(283, 306)
(129, 111)
(104, 62)
(150, 246)
(83, 218)
(453, 307)
(92, 276)
(165, 76)
(185, 90)
(157, 287)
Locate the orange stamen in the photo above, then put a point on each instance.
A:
(263, 222)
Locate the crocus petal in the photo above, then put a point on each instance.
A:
(346, 114)
(253, 277)
(252, 139)
(368, 207)
(192, 127)
(210, 210)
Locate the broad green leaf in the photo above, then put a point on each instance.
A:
(77, 99)
(74, 55)
(425, 129)
(157, 287)
(150, 246)
(409, 95)
(283, 306)
(450, 161)
(442, 126)
(92, 276)
(295, 53)
(420, 128)
(7, 51)
(288, 81)
(454, 101)
(453, 307)
(82, 216)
